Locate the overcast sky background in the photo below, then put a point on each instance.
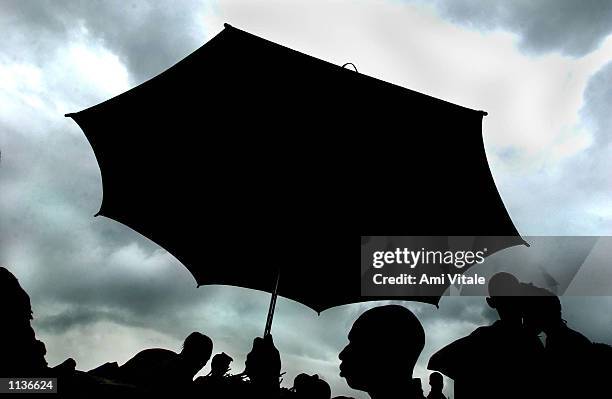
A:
(101, 292)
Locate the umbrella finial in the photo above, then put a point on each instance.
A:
(350, 63)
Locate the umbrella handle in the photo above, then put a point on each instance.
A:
(272, 306)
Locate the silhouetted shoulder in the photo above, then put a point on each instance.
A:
(577, 337)
(484, 332)
(455, 358)
(151, 356)
(145, 363)
(567, 340)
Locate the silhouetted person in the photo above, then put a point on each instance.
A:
(218, 383)
(21, 354)
(166, 370)
(567, 352)
(311, 387)
(220, 365)
(263, 366)
(300, 382)
(384, 345)
(499, 361)
(436, 382)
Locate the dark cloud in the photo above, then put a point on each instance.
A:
(587, 175)
(572, 196)
(148, 36)
(77, 316)
(573, 27)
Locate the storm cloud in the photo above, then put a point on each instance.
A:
(148, 37)
(572, 27)
(572, 196)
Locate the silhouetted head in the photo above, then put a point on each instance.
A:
(14, 301)
(436, 382)
(541, 309)
(220, 364)
(300, 381)
(384, 345)
(197, 349)
(504, 291)
(311, 387)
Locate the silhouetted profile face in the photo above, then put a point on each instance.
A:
(384, 345)
(504, 291)
(197, 349)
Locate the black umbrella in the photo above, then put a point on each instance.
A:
(246, 158)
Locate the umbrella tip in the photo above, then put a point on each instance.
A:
(69, 115)
(350, 63)
(226, 25)
(484, 113)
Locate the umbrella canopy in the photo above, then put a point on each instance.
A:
(247, 157)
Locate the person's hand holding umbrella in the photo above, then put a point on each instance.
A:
(263, 365)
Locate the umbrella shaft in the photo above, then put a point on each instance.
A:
(272, 306)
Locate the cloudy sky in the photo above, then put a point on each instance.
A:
(101, 292)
